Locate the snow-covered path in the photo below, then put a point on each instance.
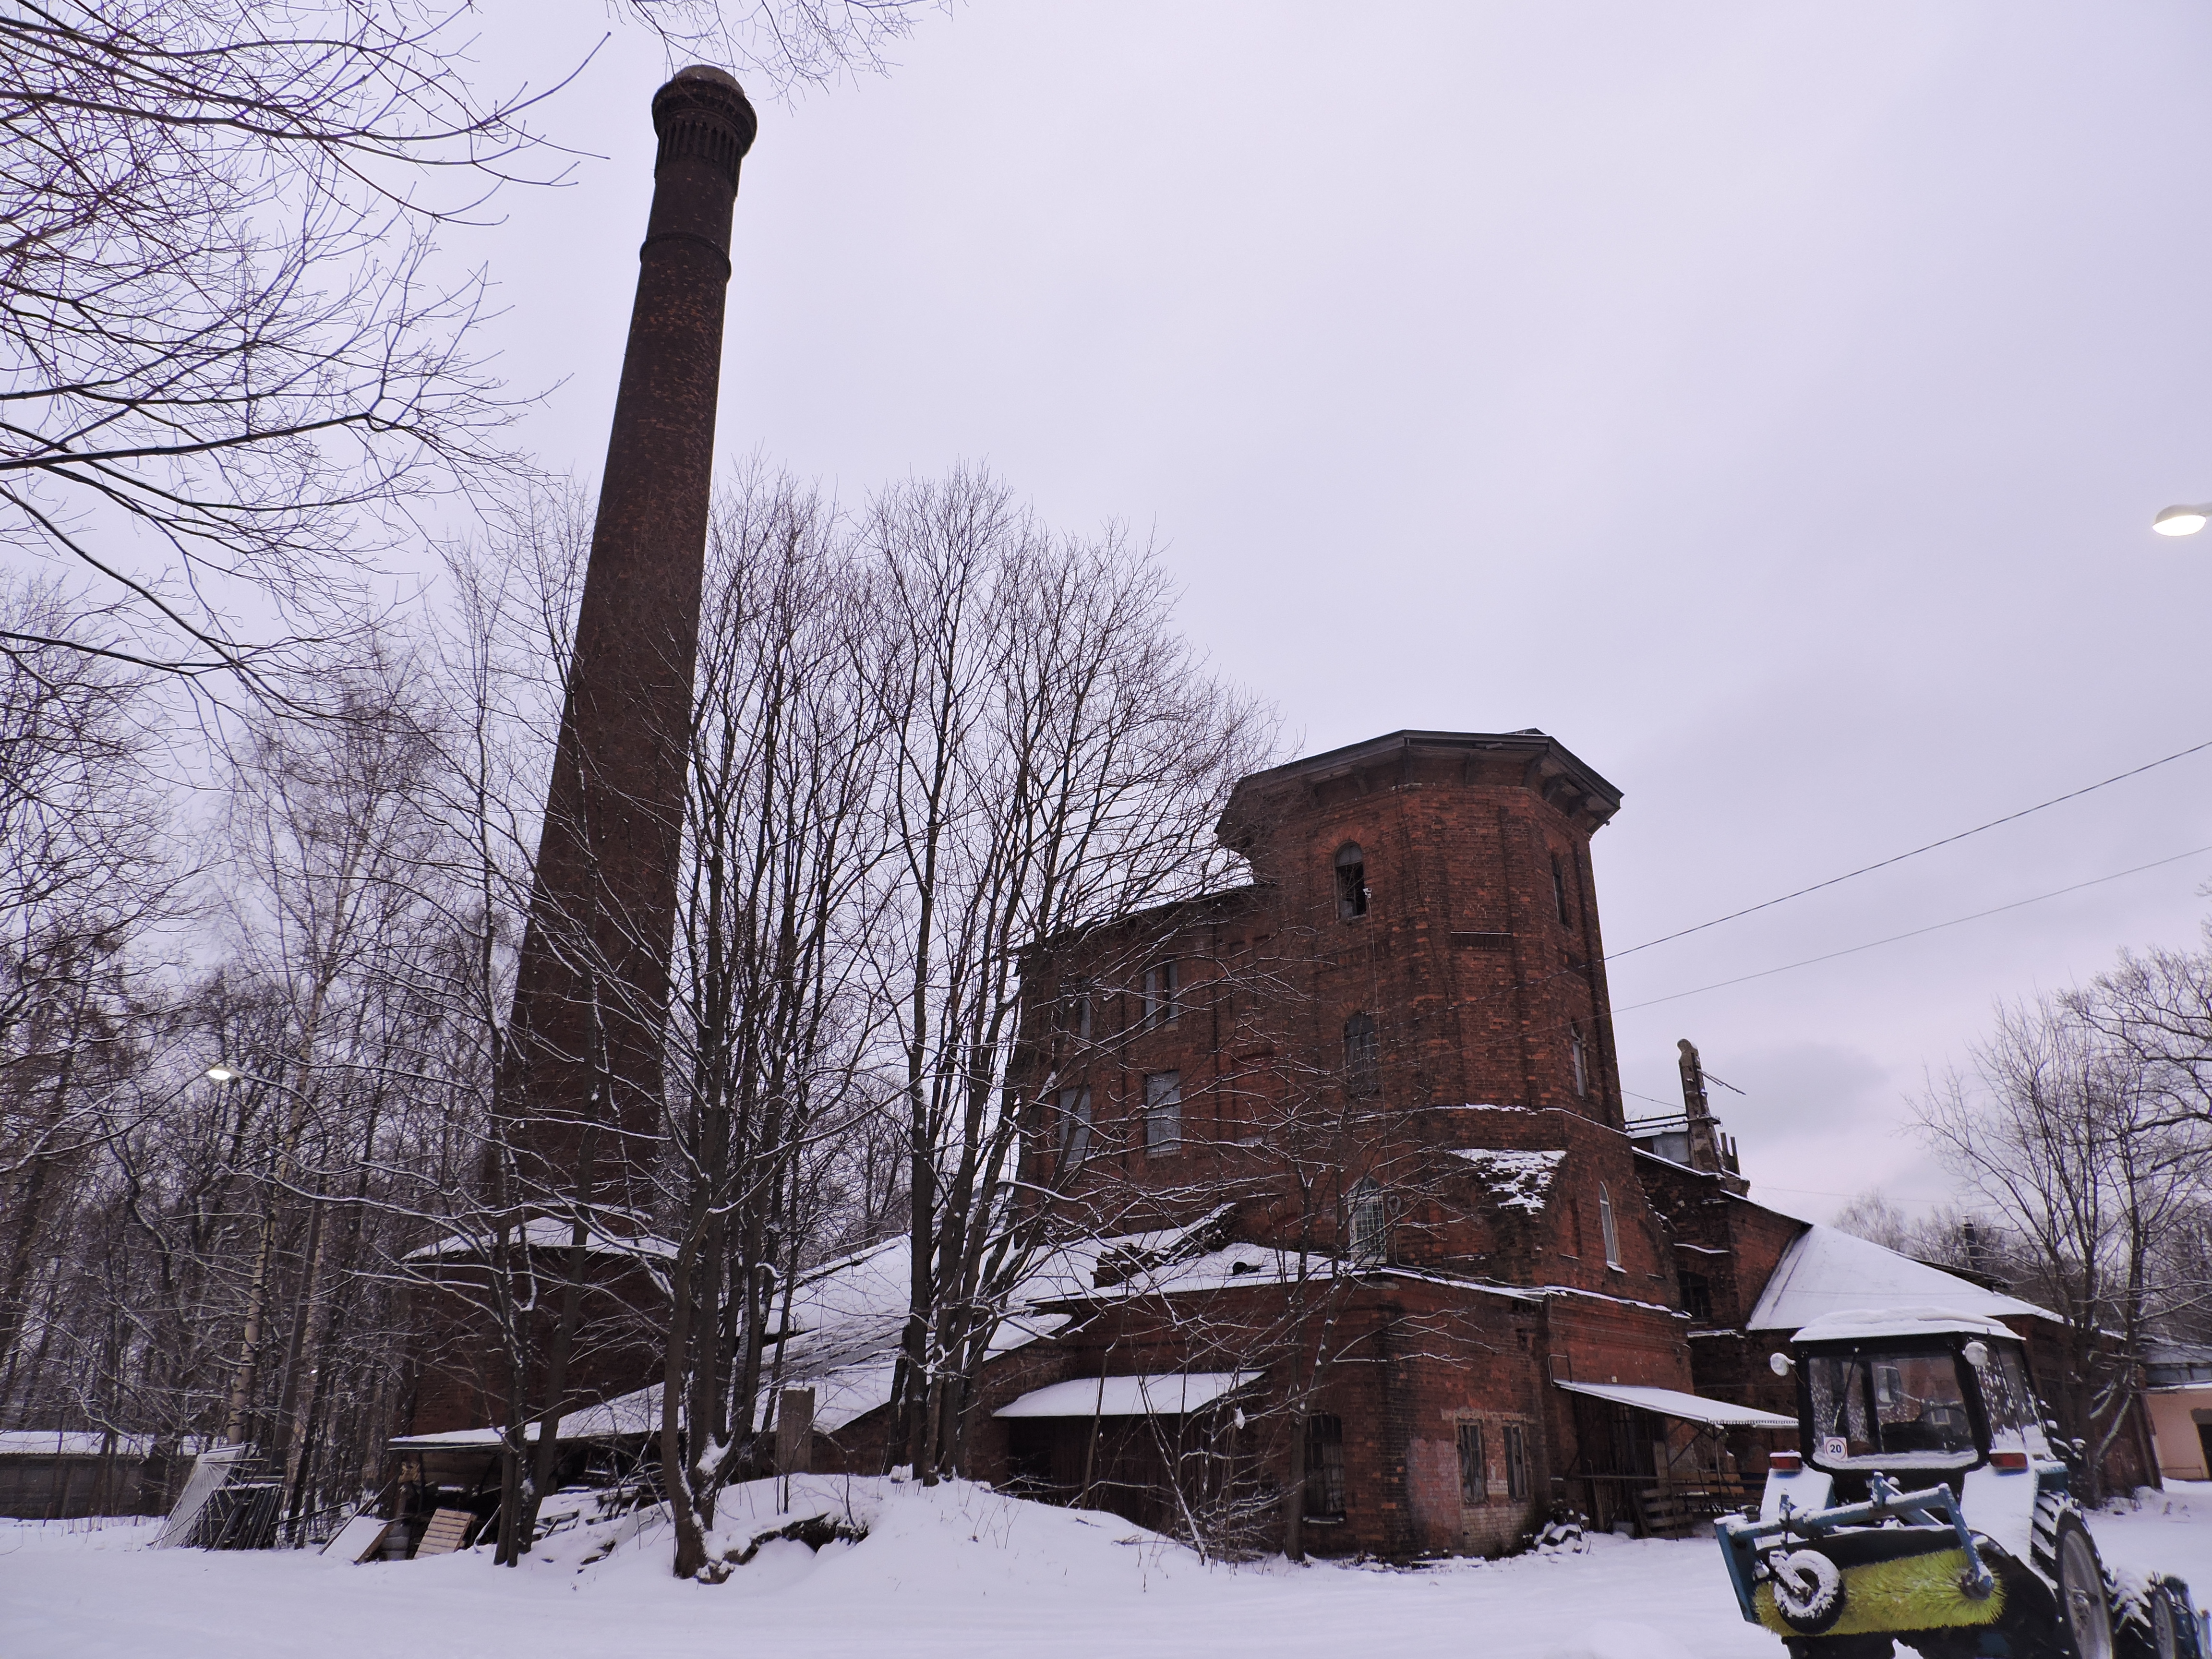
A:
(956, 1572)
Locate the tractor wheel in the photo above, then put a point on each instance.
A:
(2085, 1611)
(2156, 1621)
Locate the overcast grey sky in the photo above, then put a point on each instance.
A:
(1768, 401)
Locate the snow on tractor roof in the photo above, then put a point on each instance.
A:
(1855, 1324)
(1825, 1271)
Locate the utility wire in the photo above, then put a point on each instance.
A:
(1867, 869)
(2096, 881)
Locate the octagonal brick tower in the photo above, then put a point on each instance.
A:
(1473, 931)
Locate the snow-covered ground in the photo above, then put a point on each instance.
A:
(956, 1571)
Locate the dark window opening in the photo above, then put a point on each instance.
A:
(1698, 1297)
(1473, 1471)
(1516, 1462)
(1363, 1055)
(1559, 886)
(1579, 1054)
(1075, 1009)
(1324, 1468)
(1162, 1112)
(1162, 1006)
(1351, 881)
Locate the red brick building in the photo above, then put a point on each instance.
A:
(1345, 1227)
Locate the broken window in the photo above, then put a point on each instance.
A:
(1351, 881)
(1473, 1471)
(1606, 1225)
(1074, 1126)
(1161, 1007)
(1559, 886)
(1324, 1468)
(1516, 1461)
(1363, 1055)
(1579, 1055)
(1162, 1112)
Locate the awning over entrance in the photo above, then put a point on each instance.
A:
(1173, 1394)
(1690, 1408)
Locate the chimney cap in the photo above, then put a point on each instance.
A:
(709, 72)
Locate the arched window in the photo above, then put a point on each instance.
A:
(1580, 1056)
(1606, 1225)
(1369, 1225)
(1351, 881)
(1363, 1055)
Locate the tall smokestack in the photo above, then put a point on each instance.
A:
(580, 1093)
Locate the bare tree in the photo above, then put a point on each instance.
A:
(1060, 758)
(230, 374)
(2058, 1133)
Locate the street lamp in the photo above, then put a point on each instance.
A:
(223, 1072)
(2182, 521)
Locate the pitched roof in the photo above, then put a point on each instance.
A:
(1826, 1271)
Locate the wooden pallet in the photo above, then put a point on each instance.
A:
(448, 1531)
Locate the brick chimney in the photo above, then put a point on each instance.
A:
(581, 1090)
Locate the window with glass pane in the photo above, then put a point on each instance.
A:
(1900, 1407)
(1161, 1005)
(1516, 1438)
(1473, 1471)
(1370, 1224)
(1164, 1111)
(1363, 1055)
(1074, 1126)
(1605, 1224)
(1580, 1056)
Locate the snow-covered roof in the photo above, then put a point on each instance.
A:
(1858, 1322)
(550, 1233)
(1172, 1394)
(1826, 1271)
(1690, 1408)
(1517, 1180)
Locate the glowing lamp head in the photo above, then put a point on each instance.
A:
(221, 1072)
(2181, 520)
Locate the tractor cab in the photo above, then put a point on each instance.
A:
(1912, 1397)
(1924, 1503)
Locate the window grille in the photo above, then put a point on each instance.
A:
(1363, 1055)
(1164, 1112)
(1074, 1126)
(1324, 1468)
(1473, 1471)
(1351, 881)
(1516, 1462)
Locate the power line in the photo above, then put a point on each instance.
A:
(1899, 857)
(1915, 933)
